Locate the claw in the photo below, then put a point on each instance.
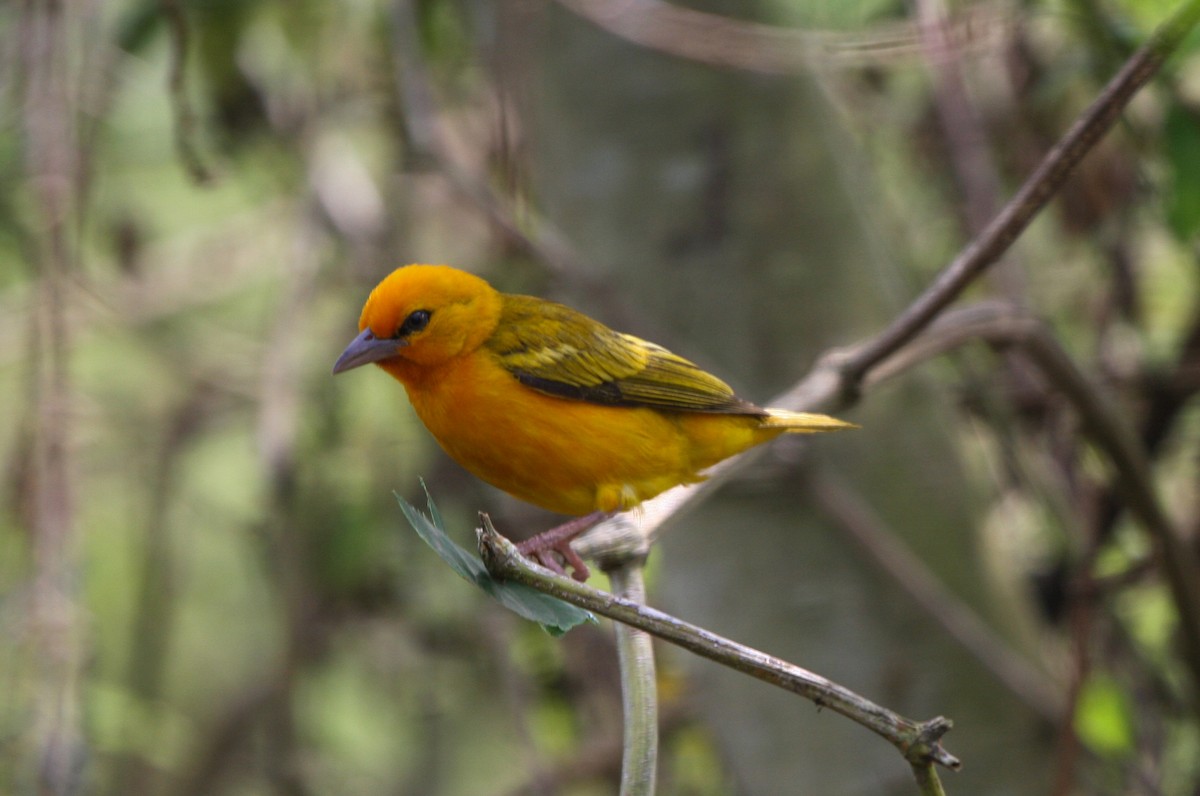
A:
(558, 540)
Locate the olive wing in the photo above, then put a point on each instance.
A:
(557, 351)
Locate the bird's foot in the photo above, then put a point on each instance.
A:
(558, 540)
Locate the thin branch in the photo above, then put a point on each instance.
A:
(1041, 186)
(963, 131)
(181, 106)
(769, 49)
(1165, 395)
(999, 324)
(1005, 325)
(228, 735)
(156, 586)
(220, 264)
(919, 742)
(429, 137)
(1067, 743)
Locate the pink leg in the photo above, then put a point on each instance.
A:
(558, 540)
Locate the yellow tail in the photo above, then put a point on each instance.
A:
(803, 422)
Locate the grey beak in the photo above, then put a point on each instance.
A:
(365, 349)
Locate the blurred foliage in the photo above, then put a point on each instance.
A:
(233, 605)
(1103, 718)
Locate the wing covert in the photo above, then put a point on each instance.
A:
(553, 349)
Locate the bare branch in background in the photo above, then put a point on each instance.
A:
(51, 171)
(755, 47)
(229, 735)
(963, 131)
(430, 138)
(1009, 326)
(157, 581)
(854, 516)
(1038, 189)
(181, 105)
(1166, 394)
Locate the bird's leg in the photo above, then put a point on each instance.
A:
(558, 540)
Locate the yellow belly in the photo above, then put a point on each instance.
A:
(568, 456)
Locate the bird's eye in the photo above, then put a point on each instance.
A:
(415, 322)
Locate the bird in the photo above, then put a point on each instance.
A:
(550, 405)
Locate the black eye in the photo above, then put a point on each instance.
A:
(415, 322)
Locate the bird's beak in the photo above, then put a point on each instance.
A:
(365, 349)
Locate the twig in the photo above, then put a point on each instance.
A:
(1005, 325)
(227, 736)
(1134, 479)
(769, 49)
(429, 137)
(230, 266)
(919, 742)
(960, 123)
(963, 131)
(638, 688)
(156, 585)
(181, 106)
(1164, 397)
(1067, 742)
(1041, 186)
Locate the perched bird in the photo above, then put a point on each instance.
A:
(550, 405)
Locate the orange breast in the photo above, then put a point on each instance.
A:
(567, 456)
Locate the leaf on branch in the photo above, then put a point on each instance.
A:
(554, 615)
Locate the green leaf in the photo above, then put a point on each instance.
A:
(1104, 718)
(556, 616)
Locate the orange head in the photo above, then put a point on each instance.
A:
(424, 315)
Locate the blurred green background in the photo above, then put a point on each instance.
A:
(206, 586)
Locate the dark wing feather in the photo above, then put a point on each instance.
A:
(555, 350)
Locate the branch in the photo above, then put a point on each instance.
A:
(54, 619)
(638, 688)
(429, 138)
(927, 780)
(963, 131)
(181, 107)
(769, 49)
(1041, 186)
(1165, 395)
(1005, 325)
(839, 376)
(919, 742)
